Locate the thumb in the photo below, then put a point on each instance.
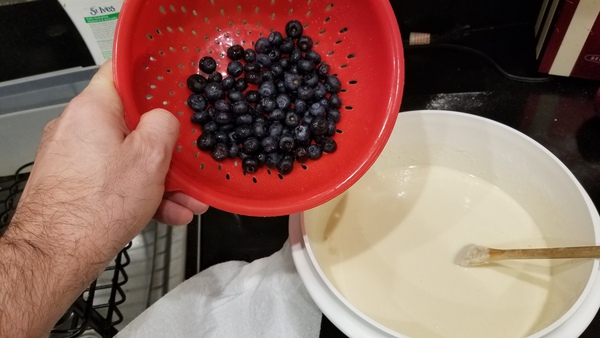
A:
(154, 139)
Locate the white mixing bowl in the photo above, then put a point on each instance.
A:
(372, 277)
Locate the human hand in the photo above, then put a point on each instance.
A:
(93, 187)
(88, 160)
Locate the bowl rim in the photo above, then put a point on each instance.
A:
(574, 320)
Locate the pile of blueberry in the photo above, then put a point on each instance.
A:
(277, 105)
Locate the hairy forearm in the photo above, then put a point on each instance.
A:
(47, 259)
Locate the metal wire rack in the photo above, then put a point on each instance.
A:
(97, 308)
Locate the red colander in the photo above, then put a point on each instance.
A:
(158, 45)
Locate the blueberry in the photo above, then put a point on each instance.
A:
(259, 129)
(300, 106)
(233, 150)
(275, 130)
(251, 145)
(320, 90)
(302, 133)
(249, 55)
(314, 151)
(245, 119)
(200, 117)
(305, 66)
(274, 55)
(268, 104)
(287, 46)
(252, 67)
(285, 166)
(324, 102)
(275, 38)
(228, 82)
(252, 96)
(263, 60)
(286, 144)
(267, 75)
(262, 45)
(283, 101)
(220, 152)
(273, 159)
(285, 62)
(240, 84)
(333, 84)
(243, 132)
(235, 52)
(235, 68)
(292, 82)
(206, 141)
(301, 154)
(306, 93)
(293, 29)
(331, 128)
(210, 127)
(280, 85)
(323, 71)
(215, 77)
(222, 105)
(277, 115)
(223, 117)
(239, 107)
(197, 102)
(261, 158)
(250, 165)
(329, 145)
(295, 56)
(252, 77)
(313, 56)
(311, 79)
(267, 88)
(307, 119)
(318, 126)
(207, 64)
(316, 109)
(235, 95)
(196, 83)
(293, 69)
(334, 115)
(277, 70)
(335, 101)
(221, 137)
(269, 144)
(211, 111)
(305, 43)
(291, 120)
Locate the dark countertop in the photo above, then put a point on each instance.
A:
(559, 114)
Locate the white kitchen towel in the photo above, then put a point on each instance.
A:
(264, 298)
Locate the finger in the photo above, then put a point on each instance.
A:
(187, 201)
(172, 213)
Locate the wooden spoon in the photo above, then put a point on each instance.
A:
(473, 255)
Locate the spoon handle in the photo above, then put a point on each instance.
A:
(541, 253)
